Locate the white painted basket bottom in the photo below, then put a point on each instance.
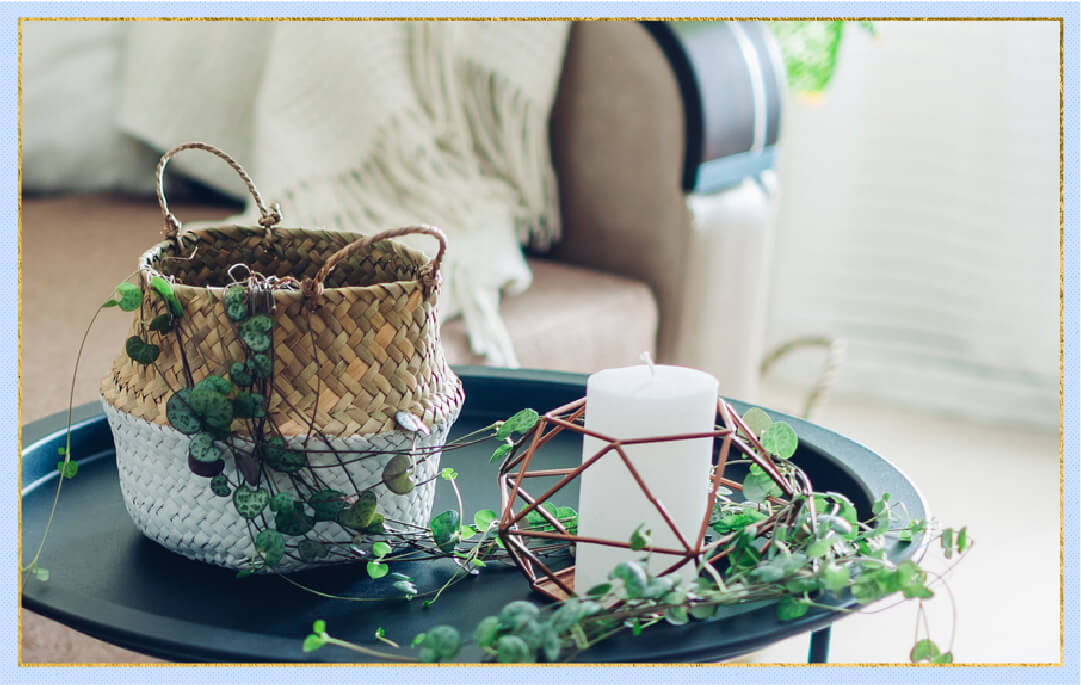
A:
(176, 508)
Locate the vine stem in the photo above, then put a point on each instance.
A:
(67, 438)
(461, 572)
(953, 609)
(365, 650)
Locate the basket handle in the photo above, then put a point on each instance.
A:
(268, 217)
(429, 273)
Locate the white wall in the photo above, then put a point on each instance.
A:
(920, 218)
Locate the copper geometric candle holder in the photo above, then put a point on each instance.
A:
(514, 472)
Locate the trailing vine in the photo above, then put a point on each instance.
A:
(807, 551)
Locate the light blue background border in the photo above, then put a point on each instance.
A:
(1069, 673)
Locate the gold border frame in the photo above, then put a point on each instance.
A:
(1061, 23)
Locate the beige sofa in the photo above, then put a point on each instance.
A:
(614, 287)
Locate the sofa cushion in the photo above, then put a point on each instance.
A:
(76, 248)
(571, 319)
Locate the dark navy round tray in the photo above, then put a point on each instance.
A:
(111, 582)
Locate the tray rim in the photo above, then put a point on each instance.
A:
(47, 429)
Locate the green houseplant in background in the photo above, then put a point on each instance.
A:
(810, 51)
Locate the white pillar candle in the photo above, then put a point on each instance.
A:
(637, 402)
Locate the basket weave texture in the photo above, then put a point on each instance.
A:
(369, 350)
(174, 508)
(355, 341)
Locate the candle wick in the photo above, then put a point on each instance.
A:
(649, 360)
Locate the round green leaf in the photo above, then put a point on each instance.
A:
(802, 585)
(703, 610)
(255, 332)
(487, 631)
(258, 342)
(235, 294)
(865, 590)
(180, 413)
(236, 303)
(924, 650)
(550, 646)
(140, 351)
(216, 383)
(280, 458)
(377, 569)
(327, 504)
(533, 634)
(380, 549)
(484, 518)
(202, 448)
(820, 547)
(835, 577)
(633, 575)
(442, 643)
(281, 501)
(780, 440)
(396, 475)
(790, 608)
(511, 649)
(521, 422)
(239, 374)
(918, 591)
(260, 365)
(640, 538)
(293, 522)
(272, 545)
(757, 420)
(376, 525)
(67, 469)
(219, 485)
(250, 502)
(260, 323)
(313, 642)
(211, 404)
(130, 296)
(162, 323)
(361, 513)
(220, 417)
(444, 529)
(164, 290)
(249, 405)
(236, 311)
(758, 486)
(500, 452)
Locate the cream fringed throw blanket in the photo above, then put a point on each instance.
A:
(362, 126)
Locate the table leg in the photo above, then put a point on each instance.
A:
(819, 653)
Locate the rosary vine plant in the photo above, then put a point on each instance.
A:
(282, 521)
(808, 552)
(805, 552)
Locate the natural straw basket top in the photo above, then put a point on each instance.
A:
(355, 344)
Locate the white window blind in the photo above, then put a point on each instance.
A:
(919, 218)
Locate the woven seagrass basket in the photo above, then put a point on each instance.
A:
(354, 346)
